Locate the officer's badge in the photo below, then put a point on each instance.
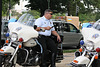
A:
(18, 28)
(95, 36)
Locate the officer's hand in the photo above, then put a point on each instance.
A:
(58, 39)
(48, 28)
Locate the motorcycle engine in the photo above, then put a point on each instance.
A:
(36, 60)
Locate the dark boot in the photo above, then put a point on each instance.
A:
(53, 60)
(43, 61)
(43, 65)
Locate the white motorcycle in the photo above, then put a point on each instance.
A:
(89, 53)
(22, 46)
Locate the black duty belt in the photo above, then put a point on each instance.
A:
(44, 35)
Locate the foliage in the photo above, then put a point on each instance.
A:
(57, 14)
(35, 13)
(87, 17)
(70, 6)
(86, 8)
(5, 6)
(41, 5)
(97, 16)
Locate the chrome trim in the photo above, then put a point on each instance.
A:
(91, 61)
(14, 54)
(26, 56)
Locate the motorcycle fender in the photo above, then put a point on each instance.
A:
(8, 49)
(82, 60)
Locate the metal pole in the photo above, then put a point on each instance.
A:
(9, 9)
(0, 20)
(77, 9)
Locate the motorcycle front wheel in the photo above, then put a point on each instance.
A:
(4, 62)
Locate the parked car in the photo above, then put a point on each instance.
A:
(4, 29)
(72, 35)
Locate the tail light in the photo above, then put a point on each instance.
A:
(97, 49)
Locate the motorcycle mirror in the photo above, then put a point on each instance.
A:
(78, 31)
(35, 26)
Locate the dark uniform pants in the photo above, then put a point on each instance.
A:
(47, 43)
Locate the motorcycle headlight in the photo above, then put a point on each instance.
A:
(14, 37)
(89, 45)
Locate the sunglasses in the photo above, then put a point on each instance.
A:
(51, 13)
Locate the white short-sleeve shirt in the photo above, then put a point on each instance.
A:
(43, 22)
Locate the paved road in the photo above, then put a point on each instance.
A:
(68, 57)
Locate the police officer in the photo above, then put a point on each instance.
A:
(45, 23)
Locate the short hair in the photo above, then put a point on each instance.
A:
(47, 10)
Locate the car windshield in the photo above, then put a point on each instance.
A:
(26, 19)
(97, 25)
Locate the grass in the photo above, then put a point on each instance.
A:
(69, 51)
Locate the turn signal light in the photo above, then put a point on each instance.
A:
(5, 54)
(80, 49)
(75, 61)
(1, 50)
(20, 46)
(97, 49)
(96, 57)
(7, 41)
(20, 39)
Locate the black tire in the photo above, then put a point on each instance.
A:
(96, 63)
(0, 61)
(7, 64)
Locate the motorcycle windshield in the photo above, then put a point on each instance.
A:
(97, 25)
(26, 19)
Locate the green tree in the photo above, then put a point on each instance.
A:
(97, 16)
(5, 6)
(41, 5)
(70, 6)
(87, 17)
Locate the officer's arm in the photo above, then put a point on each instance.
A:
(56, 34)
(43, 28)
